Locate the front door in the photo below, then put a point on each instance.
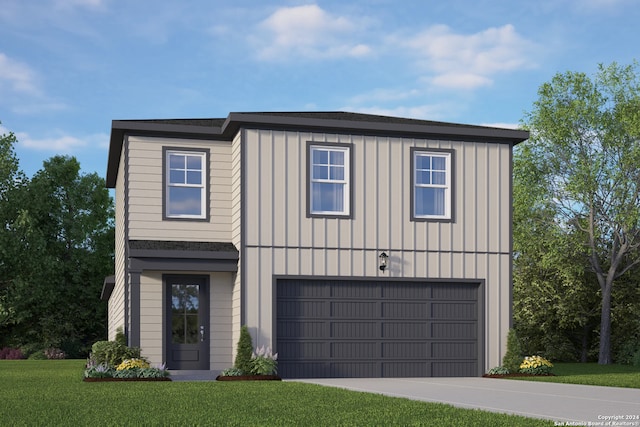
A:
(187, 326)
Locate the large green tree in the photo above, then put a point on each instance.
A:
(585, 151)
(61, 250)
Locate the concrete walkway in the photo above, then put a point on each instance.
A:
(567, 404)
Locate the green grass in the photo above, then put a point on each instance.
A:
(52, 393)
(592, 374)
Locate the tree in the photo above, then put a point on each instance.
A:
(63, 234)
(11, 179)
(585, 146)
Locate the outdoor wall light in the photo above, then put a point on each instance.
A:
(383, 261)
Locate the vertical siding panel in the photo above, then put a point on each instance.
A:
(482, 198)
(370, 214)
(459, 195)
(398, 216)
(265, 208)
(382, 178)
(252, 187)
(293, 261)
(494, 221)
(505, 197)
(295, 184)
(470, 195)
(306, 262)
(279, 189)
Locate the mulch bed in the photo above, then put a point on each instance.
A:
(101, 380)
(516, 375)
(248, 378)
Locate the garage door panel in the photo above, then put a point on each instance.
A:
(405, 369)
(405, 291)
(405, 350)
(449, 292)
(462, 369)
(454, 310)
(418, 330)
(353, 290)
(355, 350)
(404, 310)
(307, 350)
(308, 329)
(298, 308)
(355, 310)
(453, 350)
(371, 328)
(467, 330)
(352, 330)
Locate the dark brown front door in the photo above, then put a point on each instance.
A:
(187, 325)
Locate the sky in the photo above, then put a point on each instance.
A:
(70, 67)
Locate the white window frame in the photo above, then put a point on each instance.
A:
(345, 182)
(202, 186)
(447, 155)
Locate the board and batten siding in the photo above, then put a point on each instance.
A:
(145, 192)
(116, 306)
(280, 240)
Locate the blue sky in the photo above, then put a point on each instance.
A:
(69, 67)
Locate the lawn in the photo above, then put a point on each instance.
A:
(52, 393)
(592, 374)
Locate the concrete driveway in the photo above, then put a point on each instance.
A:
(567, 404)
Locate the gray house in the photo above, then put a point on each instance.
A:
(354, 245)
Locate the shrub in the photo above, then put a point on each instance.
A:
(99, 371)
(513, 357)
(264, 362)
(244, 350)
(498, 370)
(54, 353)
(232, 372)
(120, 336)
(113, 353)
(11, 353)
(38, 355)
(536, 365)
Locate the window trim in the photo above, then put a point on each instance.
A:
(166, 151)
(348, 197)
(450, 194)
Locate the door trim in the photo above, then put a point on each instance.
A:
(204, 358)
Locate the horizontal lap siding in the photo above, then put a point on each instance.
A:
(116, 307)
(145, 192)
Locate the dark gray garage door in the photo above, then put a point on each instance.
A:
(358, 328)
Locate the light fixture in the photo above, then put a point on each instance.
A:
(383, 261)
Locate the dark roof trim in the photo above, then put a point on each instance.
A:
(182, 256)
(339, 122)
(107, 287)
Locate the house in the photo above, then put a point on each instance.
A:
(354, 245)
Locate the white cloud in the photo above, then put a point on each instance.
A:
(468, 61)
(17, 76)
(61, 143)
(311, 32)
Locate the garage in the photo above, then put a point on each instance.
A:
(378, 328)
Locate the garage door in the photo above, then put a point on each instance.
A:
(366, 329)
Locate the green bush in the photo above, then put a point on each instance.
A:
(120, 336)
(264, 362)
(112, 353)
(513, 357)
(244, 351)
(498, 370)
(536, 365)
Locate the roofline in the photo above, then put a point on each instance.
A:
(235, 121)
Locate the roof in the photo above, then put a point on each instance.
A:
(328, 121)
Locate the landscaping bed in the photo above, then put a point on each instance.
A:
(102, 380)
(248, 378)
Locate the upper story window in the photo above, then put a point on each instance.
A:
(431, 184)
(329, 178)
(185, 177)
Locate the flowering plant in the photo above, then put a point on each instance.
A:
(132, 364)
(264, 362)
(536, 365)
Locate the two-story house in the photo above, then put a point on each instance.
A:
(354, 245)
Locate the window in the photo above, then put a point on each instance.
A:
(329, 180)
(185, 184)
(431, 181)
